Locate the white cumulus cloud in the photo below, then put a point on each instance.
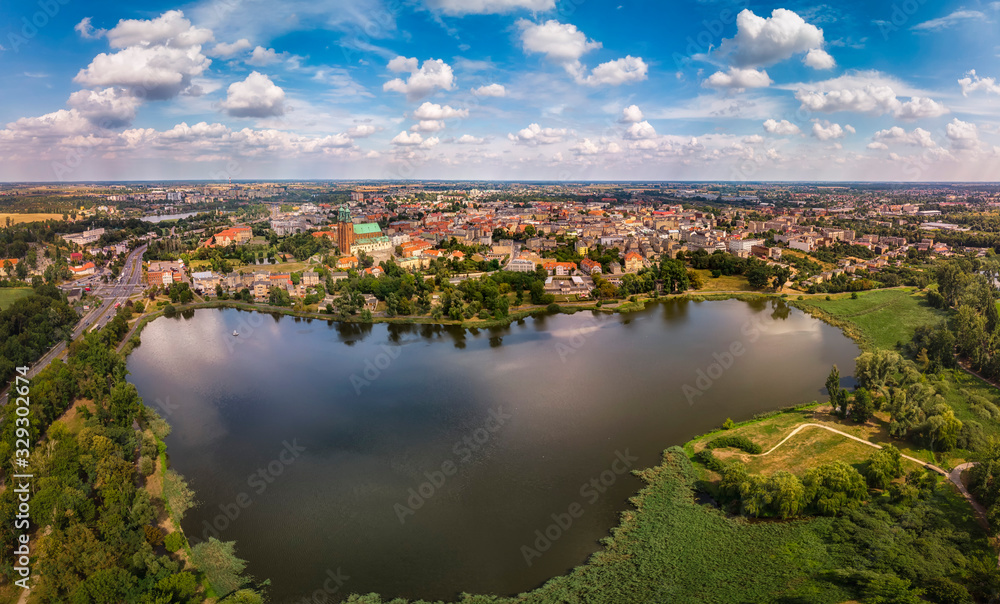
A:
(434, 74)
(632, 114)
(108, 108)
(817, 58)
(825, 131)
(256, 96)
(617, 72)
(433, 111)
(917, 138)
(536, 135)
(559, 42)
(765, 41)
(783, 128)
(972, 83)
(738, 79)
(640, 131)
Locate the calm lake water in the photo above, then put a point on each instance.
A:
(166, 217)
(420, 461)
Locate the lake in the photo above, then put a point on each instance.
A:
(419, 461)
(168, 217)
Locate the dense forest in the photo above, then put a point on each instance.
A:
(32, 325)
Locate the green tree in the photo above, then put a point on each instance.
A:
(883, 467)
(833, 387)
(787, 494)
(863, 406)
(874, 370)
(833, 487)
(218, 561)
(942, 428)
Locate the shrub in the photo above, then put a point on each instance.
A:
(553, 308)
(173, 542)
(728, 424)
(883, 466)
(169, 311)
(146, 465)
(946, 591)
(737, 442)
(708, 459)
(982, 406)
(154, 536)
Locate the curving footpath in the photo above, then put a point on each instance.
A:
(955, 476)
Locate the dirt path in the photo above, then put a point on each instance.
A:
(955, 476)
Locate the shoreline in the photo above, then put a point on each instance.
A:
(133, 339)
(629, 515)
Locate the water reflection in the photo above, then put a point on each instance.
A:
(577, 388)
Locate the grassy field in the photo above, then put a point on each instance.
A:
(808, 448)
(9, 295)
(283, 267)
(734, 283)
(19, 218)
(878, 318)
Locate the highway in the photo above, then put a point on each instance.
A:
(111, 293)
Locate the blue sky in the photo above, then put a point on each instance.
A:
(500, 89)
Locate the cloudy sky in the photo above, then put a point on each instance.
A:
(500, 89)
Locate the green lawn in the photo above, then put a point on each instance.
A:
(733, 283)
(881, 318)
(9, 295)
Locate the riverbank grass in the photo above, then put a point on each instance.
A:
(878, 318)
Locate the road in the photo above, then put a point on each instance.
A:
(111, 293)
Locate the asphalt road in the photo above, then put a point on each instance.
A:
(111, 293)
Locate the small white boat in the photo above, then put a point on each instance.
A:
(235, 333)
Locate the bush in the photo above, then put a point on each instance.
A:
(169, 311)
(883, 466)
(708, 459)
(946, 591)
(728, 424)
(146, 466)
(737, 442)
(553, 308)
(154, 536)
(854, 295)
(828, 298)
(173, 542)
